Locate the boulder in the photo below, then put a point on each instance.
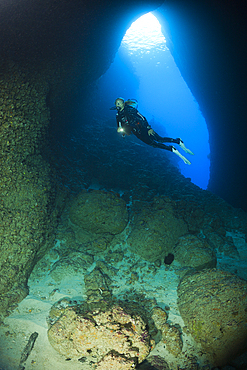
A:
(213, 305)
(100, 336)
(74, 263)
(192, 252)
(170, 335)
(96, 216)
(99, 212)
(156, 228)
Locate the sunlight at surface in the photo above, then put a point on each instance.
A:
(144, 35)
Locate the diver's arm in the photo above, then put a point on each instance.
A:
(122, 125)
(119, 124)
(119, 127)
(118, 121)
(149, 128)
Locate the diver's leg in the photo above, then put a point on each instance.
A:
(178, 141)
(156, 144)
(161, 139)
(171, 149)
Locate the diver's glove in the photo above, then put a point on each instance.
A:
(174, 150)
(151, 131)
(181, 144)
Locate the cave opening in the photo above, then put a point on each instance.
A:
(144, 69)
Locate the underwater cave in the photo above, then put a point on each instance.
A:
(106, 231)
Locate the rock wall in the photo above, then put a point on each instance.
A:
(27, 208)
(207, 41)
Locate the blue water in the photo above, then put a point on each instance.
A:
(145, 69)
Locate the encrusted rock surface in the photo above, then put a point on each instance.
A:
(97, 286)
(73, 262)
(213, 305)
(27, 208)
(114, 361)
(222, 244)
(95, 334)
(159, 316)
(97, 216)
(156, 228)
(170, 335)
(194, 253)
(99, 212)
(157, 362)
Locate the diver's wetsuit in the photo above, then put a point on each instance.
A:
(133, 122)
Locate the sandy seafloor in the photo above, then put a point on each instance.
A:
(30, 315)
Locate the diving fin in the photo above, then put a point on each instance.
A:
(181, 144)
(186, 161)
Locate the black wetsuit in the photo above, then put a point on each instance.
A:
(133, 122)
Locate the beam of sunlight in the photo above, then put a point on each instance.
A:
(164, 96)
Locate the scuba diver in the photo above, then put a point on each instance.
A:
(129, 120)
